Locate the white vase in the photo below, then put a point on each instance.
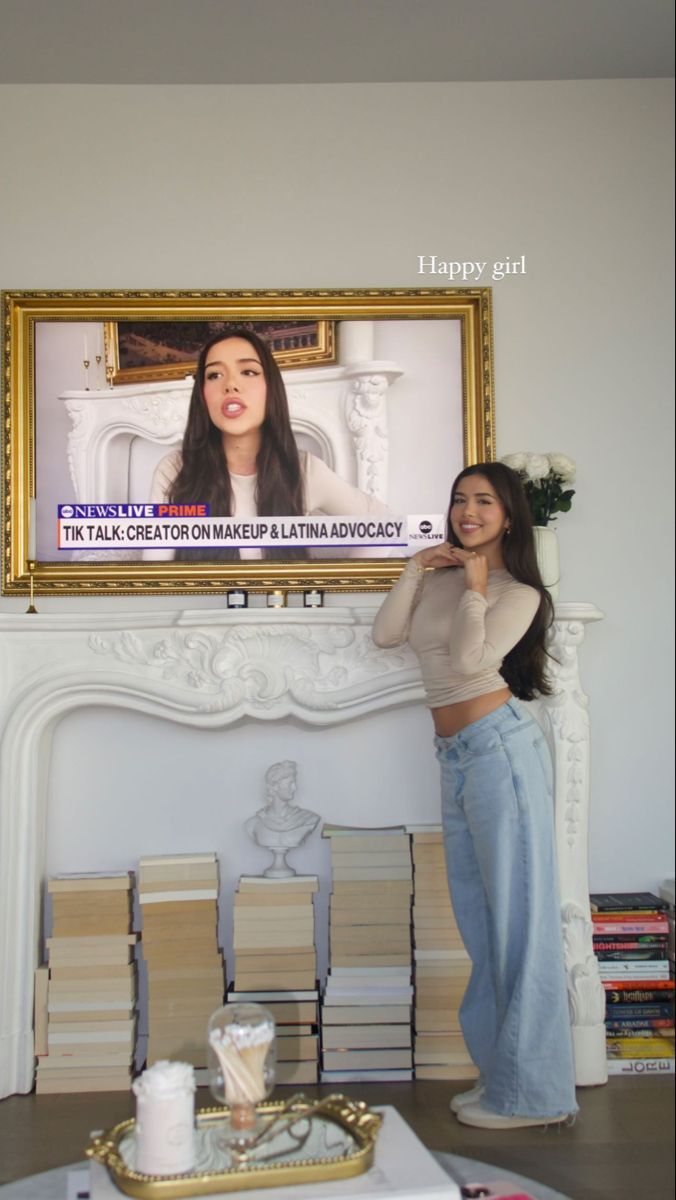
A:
(547, 552)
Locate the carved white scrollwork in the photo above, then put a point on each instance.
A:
(367, 422)
(566, 712)
(585, 990)
(366, 417)
(158, 413)
(82, 422)
(264, 668)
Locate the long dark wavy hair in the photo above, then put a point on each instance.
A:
(204, 476)
(524, 669)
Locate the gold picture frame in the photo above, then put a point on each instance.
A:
(133, 355)
(464, 398)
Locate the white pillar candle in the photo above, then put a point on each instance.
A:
(165, 1119)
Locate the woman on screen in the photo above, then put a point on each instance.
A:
(475, 611)
(239, 454)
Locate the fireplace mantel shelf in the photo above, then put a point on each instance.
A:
(57, 622)
(209, 668)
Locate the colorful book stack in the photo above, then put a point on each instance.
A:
(442, 965)
(276, 965)
(91, 989)
(178, 895)
(631, 931)
(366, 1009)
(668, 894)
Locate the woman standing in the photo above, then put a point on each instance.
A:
(475, 611)
(239, 454)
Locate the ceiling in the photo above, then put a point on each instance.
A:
(332, 41)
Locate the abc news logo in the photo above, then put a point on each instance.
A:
(426, 531)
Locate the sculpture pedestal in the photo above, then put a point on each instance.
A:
(278, 868)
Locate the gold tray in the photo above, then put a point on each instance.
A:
(338, 1134)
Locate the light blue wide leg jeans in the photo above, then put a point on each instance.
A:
(498, 821)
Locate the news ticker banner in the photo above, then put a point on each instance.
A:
(127, 527)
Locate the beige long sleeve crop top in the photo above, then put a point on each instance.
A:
(460, 636)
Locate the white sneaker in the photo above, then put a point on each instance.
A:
(483, 1118)
(464, 1098)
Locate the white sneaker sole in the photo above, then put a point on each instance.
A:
(463, 1098)
(483, 1118)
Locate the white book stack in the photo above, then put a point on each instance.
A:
(276, 965)
(442, 965)
(86, 999)
(178, 896)
(366, 1007)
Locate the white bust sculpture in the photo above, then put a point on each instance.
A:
(280, 826)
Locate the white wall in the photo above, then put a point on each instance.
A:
(345, 186)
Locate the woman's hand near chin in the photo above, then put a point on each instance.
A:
(442, 554)
(476, 570)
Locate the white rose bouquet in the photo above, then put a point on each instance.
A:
(545, 478)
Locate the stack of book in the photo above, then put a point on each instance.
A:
(630, 937)
(85, 1002)
(178, 895)
(366, 1008)
(276, 965)
(668, 894)
(442, 965)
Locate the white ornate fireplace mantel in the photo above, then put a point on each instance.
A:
(210, 669)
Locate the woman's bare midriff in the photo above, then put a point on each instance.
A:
(451, 718)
